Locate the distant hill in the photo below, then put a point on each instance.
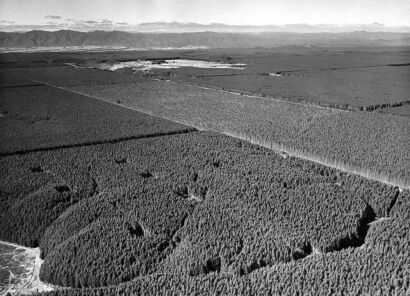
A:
(64, 38)
(191, 27)
(178, 27)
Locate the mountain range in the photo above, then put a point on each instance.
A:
(58, 23)
(64, 38)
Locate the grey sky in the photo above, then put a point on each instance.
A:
(245, 12)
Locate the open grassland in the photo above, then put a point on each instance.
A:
(42, 117)
(189, 208)
(373, 144)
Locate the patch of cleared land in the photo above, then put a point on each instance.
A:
(146, 65)
(22, 269)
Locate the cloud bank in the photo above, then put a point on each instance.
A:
(56, 23)
(54, 17)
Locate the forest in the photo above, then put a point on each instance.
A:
(131, 183)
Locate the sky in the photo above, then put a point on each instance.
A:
(113, 13)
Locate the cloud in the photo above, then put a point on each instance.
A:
(106, 25)
(25, 28)
(55, 23)
(90, 22)
(54, 17)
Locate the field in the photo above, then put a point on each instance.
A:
(142, 183)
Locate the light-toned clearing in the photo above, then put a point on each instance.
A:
(379, 220)
(147, 231)
(146, 65)
(195, 197)
(28, 263)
